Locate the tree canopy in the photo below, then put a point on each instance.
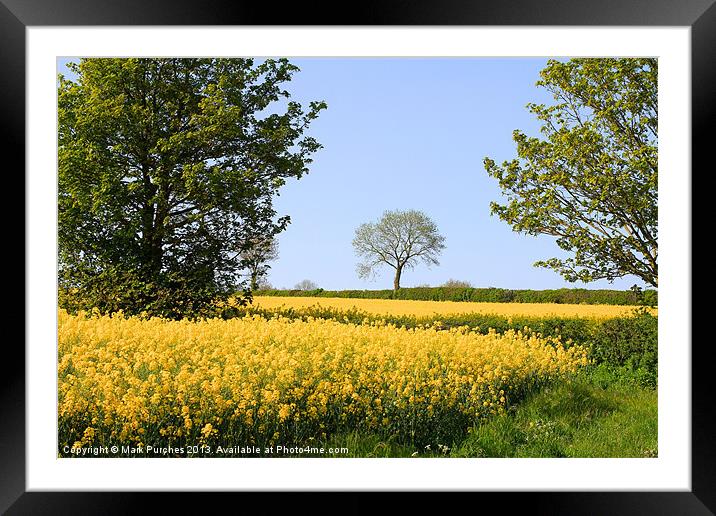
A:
(167, 173)
(591, 180)
(400, 240)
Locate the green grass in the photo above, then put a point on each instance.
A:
(581, 418)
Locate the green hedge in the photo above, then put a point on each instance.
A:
(498, 295)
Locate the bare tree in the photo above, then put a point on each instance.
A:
(400, 239)
(453, 283)
(255, 259)
(264, 284)
(306, 285)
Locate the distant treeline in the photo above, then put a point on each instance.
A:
(488, 295)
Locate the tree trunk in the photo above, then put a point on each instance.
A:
(151, 230)
(161, 214)
(396, 281)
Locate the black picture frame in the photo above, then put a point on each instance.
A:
(17, 15)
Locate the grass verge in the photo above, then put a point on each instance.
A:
(586, 417)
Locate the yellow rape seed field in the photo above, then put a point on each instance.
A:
(253, 381)
(399, 307)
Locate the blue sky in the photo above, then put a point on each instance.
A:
(411, 133)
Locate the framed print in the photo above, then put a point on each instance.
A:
(53, 440)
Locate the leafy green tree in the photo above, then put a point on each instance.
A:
(400, 239)
(591, 182)
(167, 171)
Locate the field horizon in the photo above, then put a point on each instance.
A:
(577, 295)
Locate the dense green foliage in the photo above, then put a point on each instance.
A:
(489, 295)
(630, 344)
(592, 180)
(167, 173)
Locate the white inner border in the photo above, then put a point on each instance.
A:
(670, 471)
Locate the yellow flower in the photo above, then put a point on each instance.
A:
(428, 309)
(297, 377)
(284, 412)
